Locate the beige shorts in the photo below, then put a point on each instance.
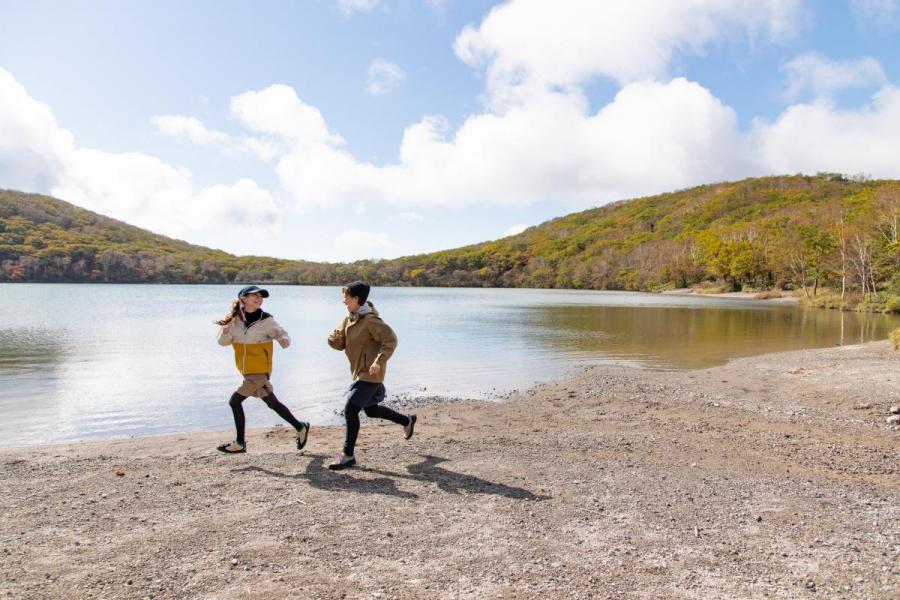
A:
(257, 385)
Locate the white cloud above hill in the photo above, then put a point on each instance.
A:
(36, 153)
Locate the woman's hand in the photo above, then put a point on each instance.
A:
(283, 342)
(335, 336)
(374, 369)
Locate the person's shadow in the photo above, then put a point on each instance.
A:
(426, 471)
(455, 483)
(333, 481)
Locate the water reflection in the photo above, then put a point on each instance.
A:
(692, 337)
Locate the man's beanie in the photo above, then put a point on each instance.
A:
(359, 290)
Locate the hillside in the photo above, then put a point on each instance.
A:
(761, 232)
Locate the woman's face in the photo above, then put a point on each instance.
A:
(252, 302)
(351, 302)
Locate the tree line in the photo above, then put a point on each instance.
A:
(805, 232)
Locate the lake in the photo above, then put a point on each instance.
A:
(91, 361)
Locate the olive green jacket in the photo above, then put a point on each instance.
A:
(365, 340)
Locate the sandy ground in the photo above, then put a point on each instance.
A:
(773, 476)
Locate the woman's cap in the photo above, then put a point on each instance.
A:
(359, 290)
(252, 289)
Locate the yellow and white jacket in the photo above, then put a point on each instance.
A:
(253, 345)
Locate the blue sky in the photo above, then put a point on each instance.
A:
(345, 129)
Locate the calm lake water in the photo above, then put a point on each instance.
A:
(91, 361)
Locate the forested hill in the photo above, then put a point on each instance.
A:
(762, 232)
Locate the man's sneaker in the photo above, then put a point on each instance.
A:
(341, 461)
(409, 427)
(234, 447)
(302, 434)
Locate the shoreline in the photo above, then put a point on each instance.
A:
(731, 295)
(771, 475)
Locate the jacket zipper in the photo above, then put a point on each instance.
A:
(244, 361)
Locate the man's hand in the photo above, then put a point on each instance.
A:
(283, 342)
(335, 336)
(375, 369)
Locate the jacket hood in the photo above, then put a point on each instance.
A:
(366, 309)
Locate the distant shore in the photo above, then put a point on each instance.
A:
(774, 475)
(733, 295)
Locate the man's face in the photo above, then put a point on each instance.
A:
(351, 302)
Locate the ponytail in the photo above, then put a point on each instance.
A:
(233, 313)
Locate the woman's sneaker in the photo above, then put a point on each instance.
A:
(409, 427)
(234, 447)
(302, 435)
(341, 461)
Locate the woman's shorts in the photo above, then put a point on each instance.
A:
(256, 384)
(364, 393)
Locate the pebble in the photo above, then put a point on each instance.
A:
(895, 410)
(893, 420)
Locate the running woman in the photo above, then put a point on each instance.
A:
(250, 331)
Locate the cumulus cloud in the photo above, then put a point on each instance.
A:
(822, 77)
(36, 154)
(553, 148)
(529, 45)
(190, 128)
(809, 138)
(538, 139)
(278, 111)
(384, 76)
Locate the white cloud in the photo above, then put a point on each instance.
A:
(808, 138)
(348, 7)
(194, 131)
(276, 110)
(822, 77)
(876, 12)
(356, 243)
(531, 45)
(384, 76)
(179, 126)
(550, 149)
(36, 154)
(515, 230)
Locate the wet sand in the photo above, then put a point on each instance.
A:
(772, 476)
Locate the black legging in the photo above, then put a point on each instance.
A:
(271, 401)
(351, 411)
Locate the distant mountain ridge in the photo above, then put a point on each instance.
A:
(763, 232)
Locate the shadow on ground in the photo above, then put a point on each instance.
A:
(426, 471)
(319, 477)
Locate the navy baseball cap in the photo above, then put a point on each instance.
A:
(252, 289)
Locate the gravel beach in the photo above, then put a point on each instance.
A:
(773, 476)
